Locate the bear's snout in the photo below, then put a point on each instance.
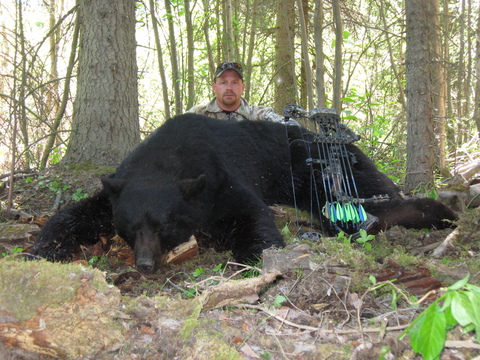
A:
(145, 265)
(147, 250)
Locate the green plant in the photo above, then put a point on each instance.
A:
(459, 305)
(56, 187)
(286, 230)
(219, 268)
(198, 272)
(365, 239)
(432, 193)
(384, 351)
(93, 260)
(56, 156)
(265, 355)
(99, 262)
(189, 293)
(53, 185)
(344, 238)
(15, 250)
(252, 268)
(279, 300)
(79, 195)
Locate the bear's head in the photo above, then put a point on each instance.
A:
(155, 215)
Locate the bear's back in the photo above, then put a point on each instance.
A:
(189, 145)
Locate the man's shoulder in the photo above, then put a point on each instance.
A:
(198, 109)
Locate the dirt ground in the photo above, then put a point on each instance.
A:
(312, 300)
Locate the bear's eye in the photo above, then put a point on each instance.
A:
(135, 227)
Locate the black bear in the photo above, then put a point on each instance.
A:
(197, 173)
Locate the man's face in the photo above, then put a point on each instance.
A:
(228, 88)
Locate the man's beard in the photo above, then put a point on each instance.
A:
(229, 100)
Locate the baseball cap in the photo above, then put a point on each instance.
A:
(229, 66)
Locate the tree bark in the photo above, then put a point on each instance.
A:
(105, 124)
(285, 80)
(229, 37)
(476, 114)
(438, 86)
(319, 59)
(251, 45)
(161, 67)
(21, 112)
(306, 61)
(173, 58)
(460, 77)
(190, 54)
(420, 108)
(337, 86)
(206, 30)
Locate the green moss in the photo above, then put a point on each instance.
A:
(404, 259)
(214, 346)
(192, 321)
(354, 256)
(26, 285)
(90, 167)
(361, 263)
(210, 343)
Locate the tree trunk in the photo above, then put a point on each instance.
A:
(460, 77)
(173, 58)
(251, 46)
(448, 34)
(306, 61)
(476, 114)
(469, 71)
(190, 62)
(438, 86)
(206, 30)
(337, 86)
(319, 59)
(420, 109)
(105, 125)
(398, 78)
(65, 96)
(21, 112)
(52, 95)
(229, 37)
(161, 67)
(284, 56)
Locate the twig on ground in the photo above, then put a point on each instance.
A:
(447, 243)
(312, 328)
(245, 268)
(459, 344)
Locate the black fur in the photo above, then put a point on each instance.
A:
(197, 173)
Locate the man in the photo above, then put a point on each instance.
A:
(228, 87)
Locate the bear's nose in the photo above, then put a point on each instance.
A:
(145, 265)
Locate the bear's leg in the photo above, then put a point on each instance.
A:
(423, 213)
(248, 234)
(81, 223)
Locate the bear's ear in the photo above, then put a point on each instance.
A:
(191, 187)
(112, 186)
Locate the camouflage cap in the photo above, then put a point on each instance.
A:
(229, 66)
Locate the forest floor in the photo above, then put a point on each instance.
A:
(313, 300)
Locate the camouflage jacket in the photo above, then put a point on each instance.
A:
(244, 112)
